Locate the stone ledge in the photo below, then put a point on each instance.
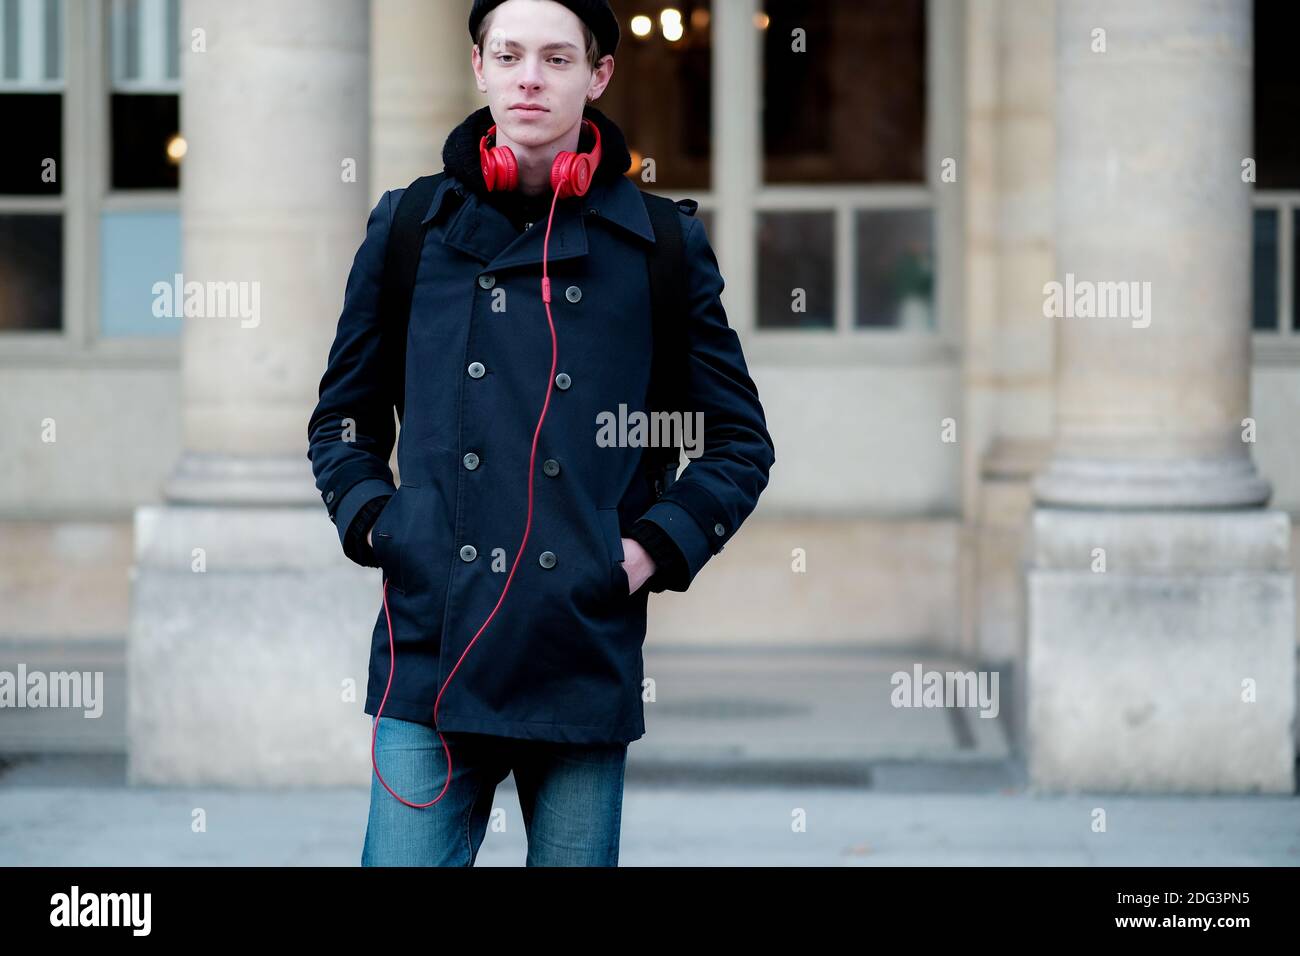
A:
(1219, 540)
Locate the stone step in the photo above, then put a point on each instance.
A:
(721, 715)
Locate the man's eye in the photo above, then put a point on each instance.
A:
(504, 56)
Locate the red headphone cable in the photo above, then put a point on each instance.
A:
(392, 656)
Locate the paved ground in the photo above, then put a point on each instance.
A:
(739, 746)
(55, 813)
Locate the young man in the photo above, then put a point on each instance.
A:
(519, 551)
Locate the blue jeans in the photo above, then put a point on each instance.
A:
(571, 796)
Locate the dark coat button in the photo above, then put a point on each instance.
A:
(476, 369)
(546, 559)
(487, 280)
(562, 380)
(551, 467)
(329, 497)
(471, 462)
(718, 529)
(468, 553)
(573, 293)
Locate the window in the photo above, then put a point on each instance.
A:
(1275, 308)
(843, 91)
(89, 202)
(812, 134)
(31, 166)
(1265, 271)
(661, 92)
(844, 220)
(139, 229)
(894, 271)
(145, 96)
(796, 269)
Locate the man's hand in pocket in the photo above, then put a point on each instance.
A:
(638, 565)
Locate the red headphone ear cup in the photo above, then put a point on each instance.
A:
(584, 170)
(500, 169)
(508, 168)
(571, 173)
(574, 179)
(560, 172)
(577, 176)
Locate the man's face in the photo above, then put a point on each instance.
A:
(534, 53)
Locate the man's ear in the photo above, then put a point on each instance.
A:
(600, 77)
(476, 61)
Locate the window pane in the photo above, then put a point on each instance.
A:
(31, 44)
(137, 250)
(9, 69)
(31, 100)
(172, 51)
(895, 269)
(1295, 271)
(796, 270)
(661, 93)
(143, 128)
(1264, 269)
(31, 164)
(129, 64)
(850, 107)
(53, 40)
(145, 99)
(145, 36)
(1277, 91)
(31, 273)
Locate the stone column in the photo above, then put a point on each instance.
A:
(1009, 229)
(271, 112)
(248, 625)
(1161, 634)
(423, 86)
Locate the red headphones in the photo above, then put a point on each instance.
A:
(570, 173)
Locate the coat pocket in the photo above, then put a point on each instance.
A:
(609, 526)
(385, 542)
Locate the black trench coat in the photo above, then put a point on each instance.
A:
(562, 658)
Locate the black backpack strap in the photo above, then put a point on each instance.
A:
(401, 263)
(666, 264)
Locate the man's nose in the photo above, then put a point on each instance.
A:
(532, 75)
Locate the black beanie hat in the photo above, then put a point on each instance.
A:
(596, 14)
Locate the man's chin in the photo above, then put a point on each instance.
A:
(534, 126)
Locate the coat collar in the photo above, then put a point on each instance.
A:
(480, 230)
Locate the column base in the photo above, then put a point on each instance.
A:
(1177, 483)
(1171, 671)
(203, 478)
(247, 661)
